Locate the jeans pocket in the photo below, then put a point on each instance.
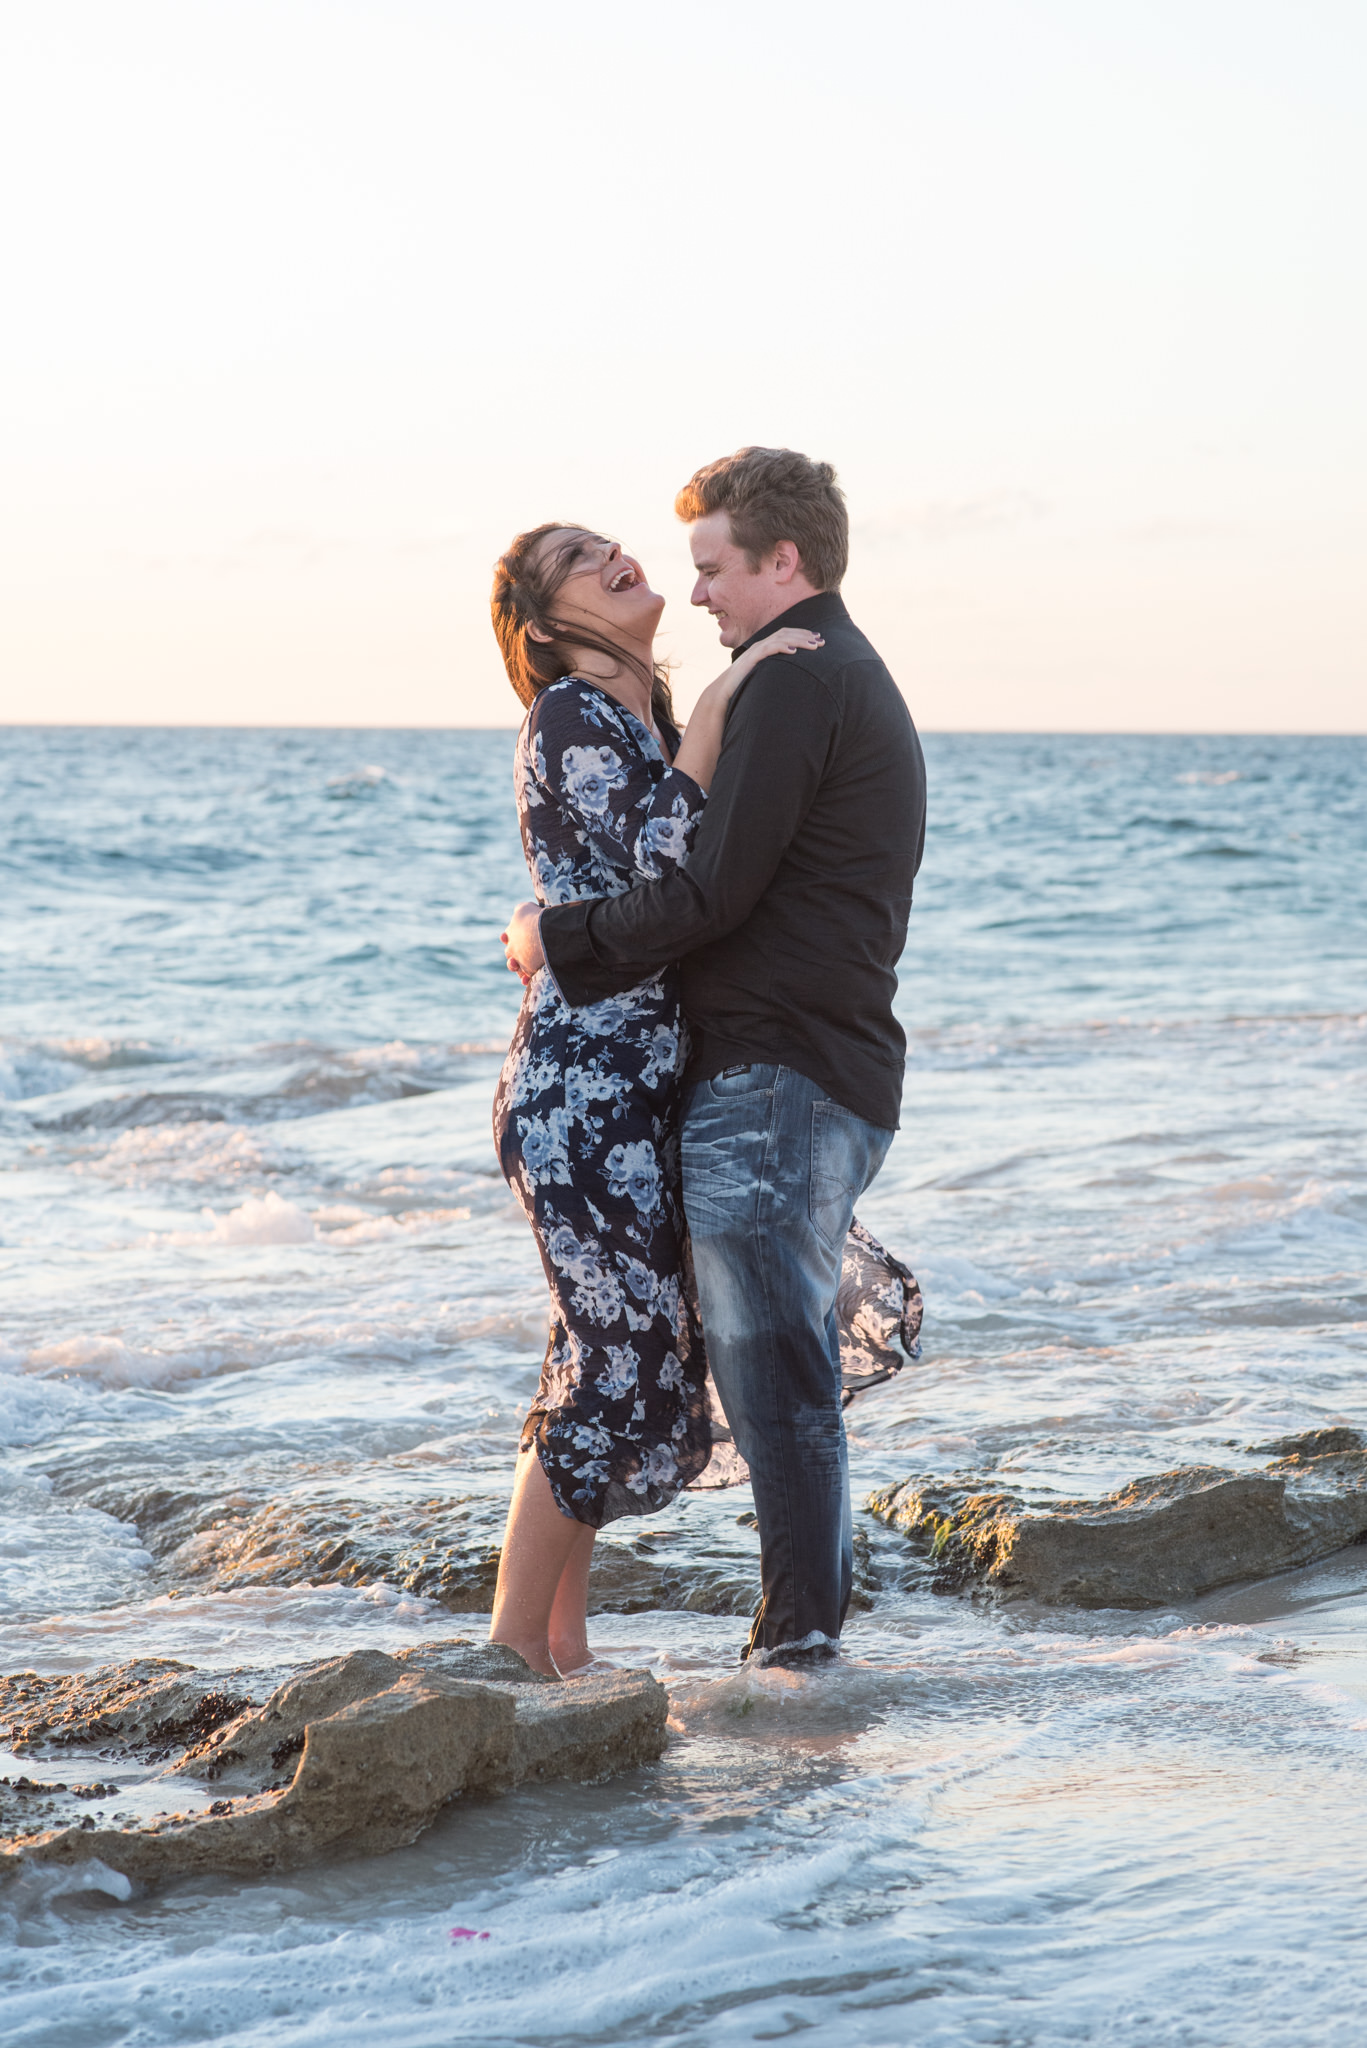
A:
(837, 1175)
(752, 1080)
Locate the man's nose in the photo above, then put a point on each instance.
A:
(699, 591)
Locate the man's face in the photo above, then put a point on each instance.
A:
(740, 599)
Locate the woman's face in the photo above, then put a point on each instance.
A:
(605, 591)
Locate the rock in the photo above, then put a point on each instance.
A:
(153, 1702)
(1312, 1443)
(589, 1728)
(374, 1747)
(1158, 1541)
(259, 1744)
(27, 1804)
(441, 1548)
(445, 1550)
(458, 1657)
(663, 1570)
(370, 1778)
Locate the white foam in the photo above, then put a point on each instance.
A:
(194, 1153)
(258, 1625)
(33, 1413)
(52, 1552)
(375, 1229)
(260, 1220)
(109, 1361)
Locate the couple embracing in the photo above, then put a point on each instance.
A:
(706, 1073)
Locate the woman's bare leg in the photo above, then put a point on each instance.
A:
(568, 1629)
(538, 1544)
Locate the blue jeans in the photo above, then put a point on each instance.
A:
(772, 1169)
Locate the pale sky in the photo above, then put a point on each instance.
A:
(311, 304)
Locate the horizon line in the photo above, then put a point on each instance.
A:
(1080, 732)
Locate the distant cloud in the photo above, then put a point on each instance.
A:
(951, 518)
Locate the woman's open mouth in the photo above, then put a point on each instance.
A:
(625, 579)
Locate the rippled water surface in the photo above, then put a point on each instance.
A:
(268, 1320)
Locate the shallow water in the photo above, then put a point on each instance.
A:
(268, 1319)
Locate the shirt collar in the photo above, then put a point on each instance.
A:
(825, 609)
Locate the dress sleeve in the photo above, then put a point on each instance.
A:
(587, 764)
(672, 816)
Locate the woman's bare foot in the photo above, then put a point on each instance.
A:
(591, 1668)
(531, 1653)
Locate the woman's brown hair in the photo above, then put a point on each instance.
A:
(527, 580)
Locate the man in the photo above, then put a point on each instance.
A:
(788, 920)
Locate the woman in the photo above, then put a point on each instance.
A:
(586, 1113)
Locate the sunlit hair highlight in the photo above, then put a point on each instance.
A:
(527, 580)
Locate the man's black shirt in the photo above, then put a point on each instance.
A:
(791, 914)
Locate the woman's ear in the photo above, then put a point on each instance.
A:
(536, 633)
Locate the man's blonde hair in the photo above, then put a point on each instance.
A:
(774, 494)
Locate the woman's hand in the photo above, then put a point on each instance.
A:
(522, 942)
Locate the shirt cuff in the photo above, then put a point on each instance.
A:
(563, 930)
(571, 962)
(545, 961)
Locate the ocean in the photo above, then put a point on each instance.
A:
(269, 1320)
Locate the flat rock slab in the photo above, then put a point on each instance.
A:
(153, 1704)
(349, 1757)
(1156, 1542)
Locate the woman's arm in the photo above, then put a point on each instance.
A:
(701, 743)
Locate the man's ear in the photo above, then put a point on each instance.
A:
(787, 562)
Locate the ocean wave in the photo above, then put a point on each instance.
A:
(88, 1557)
(347, 1225)
(261, 1219)
(29, 1072)
(195, 1153)
(967, 1048)
(110, 1362)
(98, 1054)
(274, 1084)
(264, 1625)
(361, 782)
(270, 1219)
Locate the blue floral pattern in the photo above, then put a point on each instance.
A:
(586, 1119)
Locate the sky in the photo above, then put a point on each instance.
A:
(310, 305)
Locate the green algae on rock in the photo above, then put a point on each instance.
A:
(1162, 1539)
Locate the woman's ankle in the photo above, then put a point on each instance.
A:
(569, 1653)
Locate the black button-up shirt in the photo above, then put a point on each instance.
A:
(791, 914)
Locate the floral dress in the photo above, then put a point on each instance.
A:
(586, 1119)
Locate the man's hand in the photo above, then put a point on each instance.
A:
(522, 942)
